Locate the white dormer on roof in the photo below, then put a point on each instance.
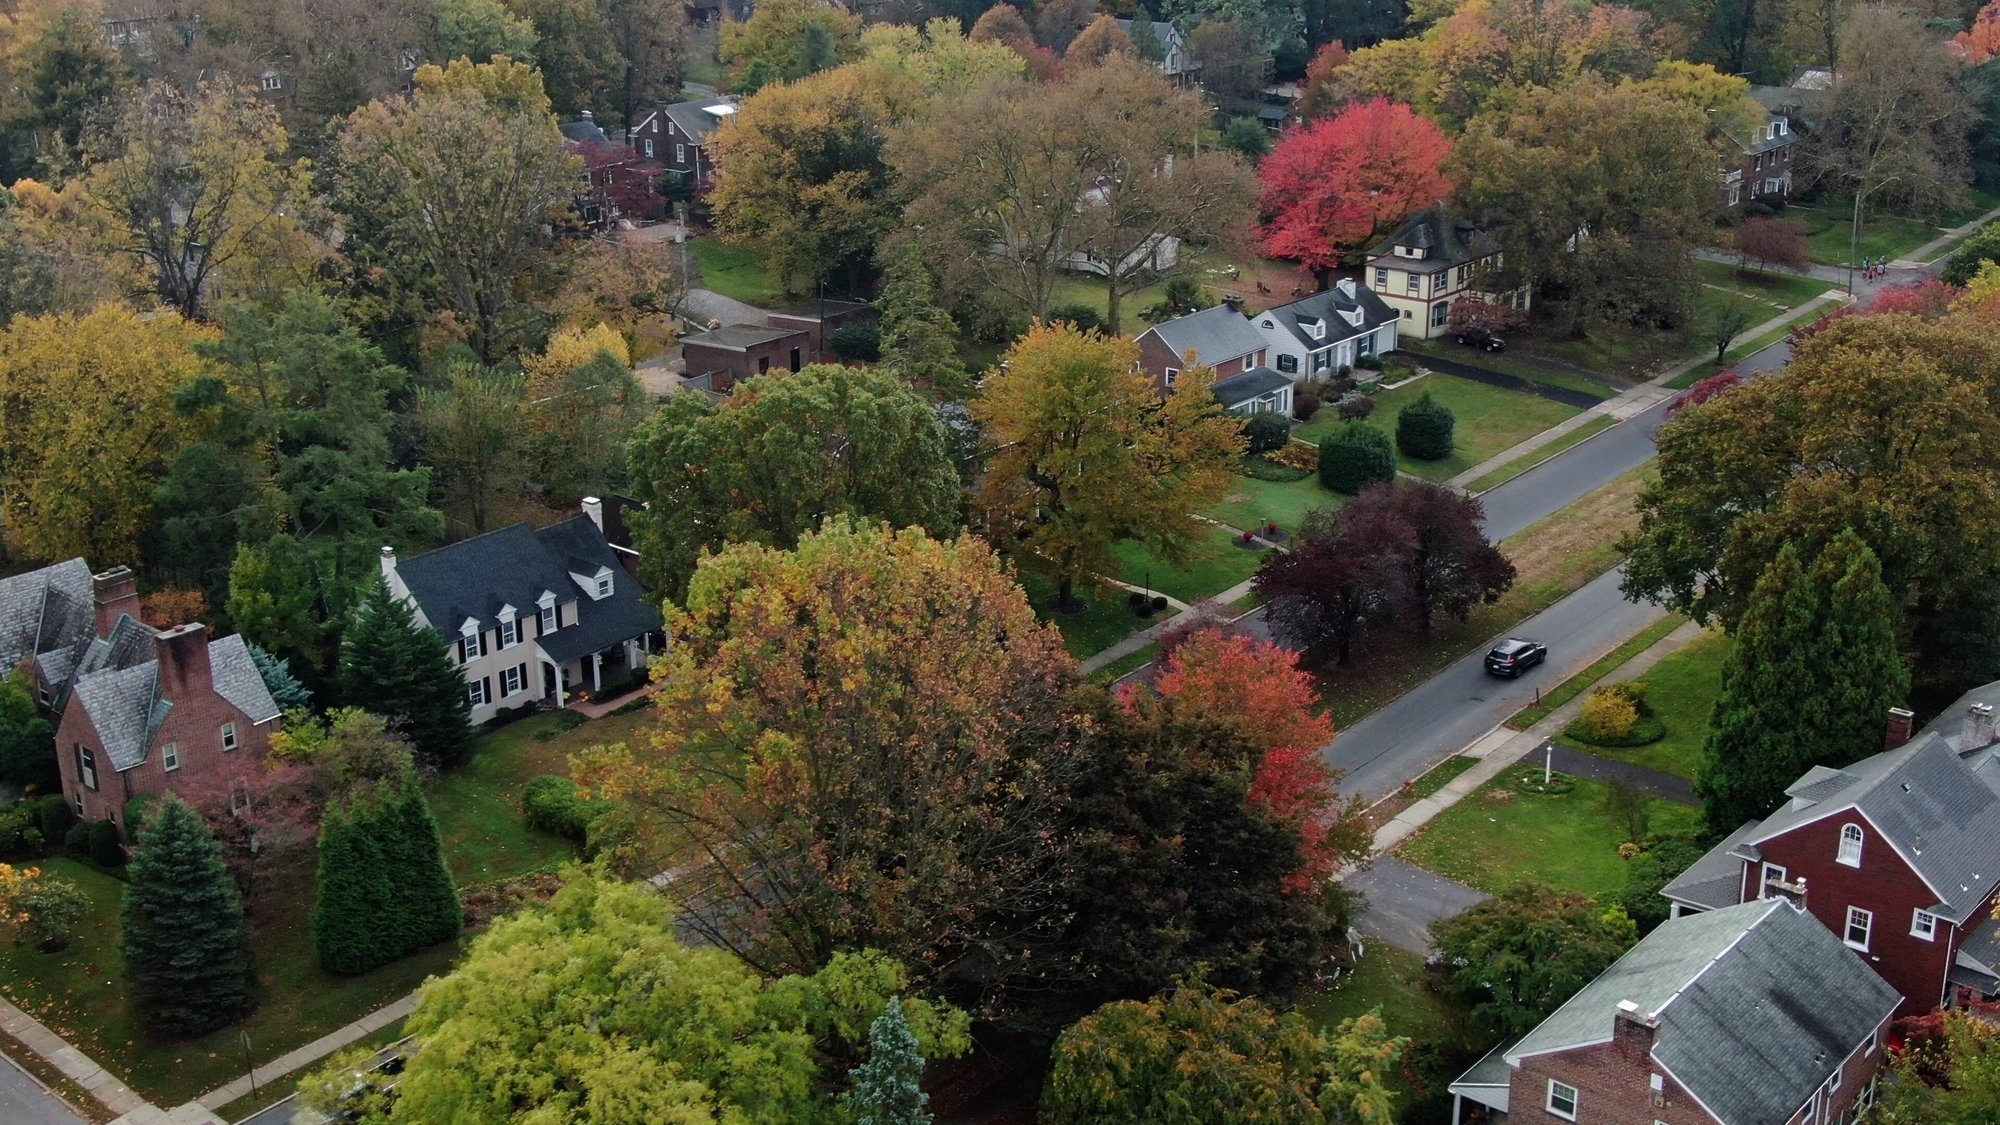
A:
(1314, 326)
(470, 628)
(507, 613)
(598, 586)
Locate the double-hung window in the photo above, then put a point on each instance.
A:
(478, 693)
(548, 622)
(86, 766)
(471, 645)
(1414, 283)
(510, 633)
(1172, 374)
(1562, 1100)
(649, 148)
(514, 681)
(680, 154)
(1923, 924)
(229, 736)
(1381, 279)
(1859, 924)
(1773, 873)
(170, 757)
(604, 587)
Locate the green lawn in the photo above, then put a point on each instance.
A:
(1787, 290)
(1744, 350)
(1391, 982)
(1598, 669)
(1828, 229)
(1104, 621)
(1217, 564)
(1499, 835)
(1681, 691)
(735, 271)
(1489, 420)
(1125, 665)
(1440, 775)
(1250, 502)
(1541, 453)
(80, 992)
(1528, 367)
(1624, 351)
(1088, 291)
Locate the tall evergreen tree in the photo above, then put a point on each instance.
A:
(919, 340)
(285, 688)
(384, 891)
(1814, 670)
(398, 669)
(186, 960)
(888, 1087)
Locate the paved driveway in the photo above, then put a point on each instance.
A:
(1403, 901)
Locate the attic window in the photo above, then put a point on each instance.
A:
(603, 586)
(1850, 845)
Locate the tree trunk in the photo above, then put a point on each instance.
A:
(1111, 295)
(1066, 592)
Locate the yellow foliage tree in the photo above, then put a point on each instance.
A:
(582, 404)
(87, 426)
(1608, 715)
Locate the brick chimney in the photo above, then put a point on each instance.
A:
(594, 508)
(1234, 302)
(112, 593)
(1793, 892)
(1631, 1033)
(1901, 723)
(183, 655)
(1978, 725)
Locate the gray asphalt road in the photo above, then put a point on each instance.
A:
(24, 1102)
(1403, 901)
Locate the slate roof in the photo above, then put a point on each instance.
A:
(1449, 243)
(1215, 335)
(46, 612)
(1934, 808)
(1239, 389)
(515, 565)
(1979, 952)
(120, 694)
(1950, 723)
(1756, 1003)
(1333, 307)
(1716, 879)
(694, 119)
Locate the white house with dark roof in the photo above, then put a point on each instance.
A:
(1259, 390)
(1174, 60)
(532, 615)
(1314, 337)
(1752, 1014)
(1433, 261)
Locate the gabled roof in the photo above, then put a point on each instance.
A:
(120, 696)
(1930, 806)
(739, 337)
(697, 119)
(1716, 879)
(46, 611)
(584, 130)
(1451, 241)
(1756, 1005)
(1334, 307)
(1216, 335)
(1239, 389)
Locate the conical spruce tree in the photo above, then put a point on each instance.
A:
(1762, 723)
(427, 906)
(1860, 672)
(402, 671)
(887, 1087)
(384, 890)
(187, 961)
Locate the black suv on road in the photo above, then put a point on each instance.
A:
(1513, 656)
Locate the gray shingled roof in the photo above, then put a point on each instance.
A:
(1215, 335)
(583, 131)
(119, 691)
(1439, 232)
(1239, 389)
(693, 118)
(1333, 307)
(1936, 811)
(1716, 879)
(1756, 1004)
(738, 337)
(238, 680)
(45, 611)
(514, 566)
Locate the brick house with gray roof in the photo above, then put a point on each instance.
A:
(675, 134)
(48, 616)
(1898, 855)
(1219, 338)
(1752, 1014)
(533, 616)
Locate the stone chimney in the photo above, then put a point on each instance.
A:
(1793, 892)
(1631, 1033)
(1978, 725)
(1901, 723)
(183, 655)
(594, 508)
(114, 592)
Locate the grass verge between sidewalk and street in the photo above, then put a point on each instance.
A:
(1603, 666)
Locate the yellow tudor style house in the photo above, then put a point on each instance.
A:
(1432, 261)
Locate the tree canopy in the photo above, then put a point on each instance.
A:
(1519, 955)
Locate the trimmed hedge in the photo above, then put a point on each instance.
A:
(56, 817)
(1355, 456)
(553, 804)
(1424, 429)
(106, 850)
(857, 343)
(1266, 433)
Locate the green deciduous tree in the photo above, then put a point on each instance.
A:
(472, 433)
(785, 452)
(402, 671)
(786, 40)
(1196, 1055)
(589, 1009)
(274, 600)
(919, 339)
(1661, 863)
(384, 890)
(27, 740)
(1090, 456)
(888, 1086)
(1949, 1074)
(71, 75)
(1813, 671)
(187, 963)
(1518, 956)
(583, 403)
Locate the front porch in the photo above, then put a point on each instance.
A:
(595, 677)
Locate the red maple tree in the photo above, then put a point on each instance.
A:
(1930, 298)
(1475, 313)
(1258, 688)
(1704, 390)
(1333, 185)
(1981, 41)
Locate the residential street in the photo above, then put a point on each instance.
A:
(24, 1102)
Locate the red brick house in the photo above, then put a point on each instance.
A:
(48, 616)
(1759, 165)
(616, 181)
(676, 135)
(1898, 855)
(1220, 338)
(1748, 1015)
(153, 712)
(716, 359)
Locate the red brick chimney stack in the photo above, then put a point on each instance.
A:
(183, 655)
(112, 593)
(1633, 1033)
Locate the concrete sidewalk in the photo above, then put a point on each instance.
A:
(310, 1053)
(1133, 642)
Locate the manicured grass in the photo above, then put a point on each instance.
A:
(1125, 665)
(735, 271)
(1552, 558)
(478, 805)
(1601, 667)
(1391, 982)
(1541, 453)
(1500, 835)
(1104, 621)
(1249, 502)
(1620, 350)
(1681, 691)
(1829, 227)
(1788, 290)
(1488, 420)
(1440, 775)
(80, 992)
(1089, 291)
(1216, 565)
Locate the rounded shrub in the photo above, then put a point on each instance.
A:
(1305, 404)
(55, 817)
(106, 850)
(1081, 317)
(1266, 433)
(20, 836)
(52, 911)
(553, 804)
(76, 841)
(1355, 456)
(1424, 429)
(856, 343)
(1354, 404)
(1607, 715)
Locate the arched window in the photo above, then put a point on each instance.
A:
(1850, 845)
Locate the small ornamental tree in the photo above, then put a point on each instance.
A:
(1354, 456)
(1518, 956)
(384, 890)
(51, 911)
(1267, 433)
(888, 1087)
(1778, 244)
(1474, 313)
(1704, 390)
(187, 965)
(401, 671)
(1930, 298)
(1424, 429)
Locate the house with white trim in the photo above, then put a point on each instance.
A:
(1433, 261)
(1314, 337)
(1752, 1014)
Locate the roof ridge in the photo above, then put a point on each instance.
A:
(1745, 932)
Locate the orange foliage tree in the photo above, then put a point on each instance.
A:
(1981, 41)
(1339, 182)
(170, 606)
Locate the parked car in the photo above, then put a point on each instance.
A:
(1483, 339)
(1514, 656)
